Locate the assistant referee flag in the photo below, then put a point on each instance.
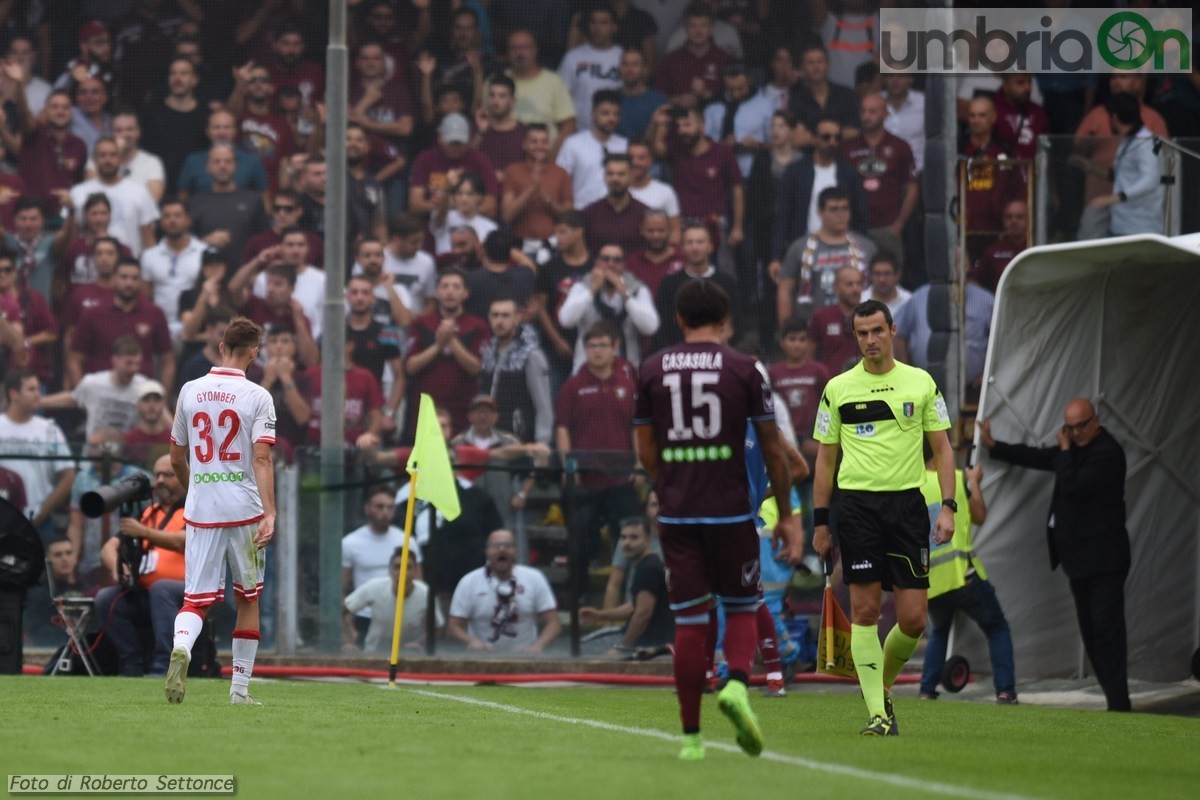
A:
(431, 463)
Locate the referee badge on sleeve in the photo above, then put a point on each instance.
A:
(823, 423)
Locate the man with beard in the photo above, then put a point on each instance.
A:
(616, 217)
(515, 372)
(393, 302)
(134, 211)
(379, 104)
(375, 347)
(175, 126)
(443, 351)
(500, 606)
(310, 281)
(498, 134)
(171, 267)
(658, 258)
(651, 192)
(583, 154)
(52, 158)
(225, 216)
(248, 167)
(158, 593)
(368, 200)
(288, 70)
(535, 189)
(260, 129)
(697, 265)
(91, 346)
(438, 169)
(1019, 120)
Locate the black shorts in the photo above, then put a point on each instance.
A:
(884, 538)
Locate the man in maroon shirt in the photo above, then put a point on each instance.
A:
(705, 174)
(91, 346)
(279, 309)
(988, 268)
(150, 438)
(693, 404)
(285, 213)
(443, 352)
(831, 328)
(438, 169)
(617, 217)
(657, 259)
(259, 128)
(498, 134)
(593, 421)
(691, 75)
(889, 176)
(364, 401)
(26, 307)
(381, 105)
(799, 380)
(289, 70)
(1019, 120)
(12, 488)
(52, 158)
(989, 185)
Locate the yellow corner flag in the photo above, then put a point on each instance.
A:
(432, 480)
(429, 464)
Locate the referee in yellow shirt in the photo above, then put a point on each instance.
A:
(876, 413)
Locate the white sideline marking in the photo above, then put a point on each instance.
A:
(933, 787)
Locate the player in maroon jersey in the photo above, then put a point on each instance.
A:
(690, 422)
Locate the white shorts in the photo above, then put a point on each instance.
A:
(207, 552)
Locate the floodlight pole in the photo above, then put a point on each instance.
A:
(333, 338)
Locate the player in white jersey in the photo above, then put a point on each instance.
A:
(221, 450)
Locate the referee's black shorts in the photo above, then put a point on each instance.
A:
(884, 538)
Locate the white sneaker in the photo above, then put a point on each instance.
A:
(176, 684)
(236, 699)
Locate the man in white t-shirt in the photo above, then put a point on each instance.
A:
(109, 397)
(500, 606)
(367, 550)
(47, 483)
(221, 450)
(378, 596)
(593, 65)
(582, 154)
(171, 267)
(136, 164)
(133, 209)
(292, 250)
(650, 192)
(393, 302)
(414, 269)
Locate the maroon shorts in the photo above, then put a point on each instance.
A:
(703, 560)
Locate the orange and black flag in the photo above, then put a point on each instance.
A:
(833, 643)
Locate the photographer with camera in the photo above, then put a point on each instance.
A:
(146, 561)
(500, 607)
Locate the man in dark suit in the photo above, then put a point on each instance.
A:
(1086, 531)
(802, 182)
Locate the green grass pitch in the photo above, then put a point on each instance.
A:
(313, 740)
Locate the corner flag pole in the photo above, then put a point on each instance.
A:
(398, 624)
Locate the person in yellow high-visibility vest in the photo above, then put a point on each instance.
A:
(958, 582)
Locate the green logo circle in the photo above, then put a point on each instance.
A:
(1126, 40)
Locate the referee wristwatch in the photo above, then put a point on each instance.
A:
(951, 504)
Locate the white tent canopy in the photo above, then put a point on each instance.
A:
(1116, 321)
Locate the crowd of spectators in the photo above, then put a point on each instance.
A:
(529, 183)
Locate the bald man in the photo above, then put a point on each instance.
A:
(1086, 532)
(888, 172)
